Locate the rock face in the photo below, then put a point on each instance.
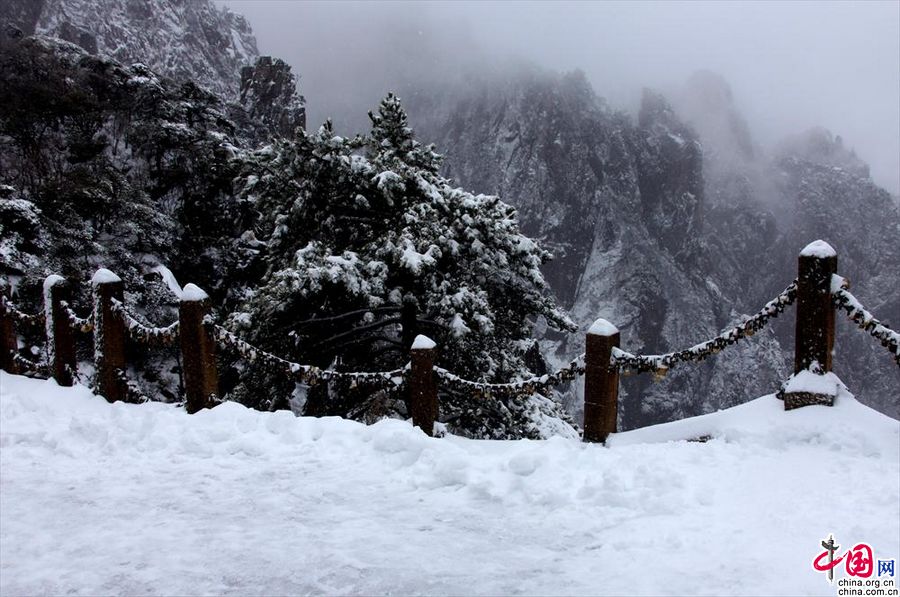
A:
(183, 39)
(673, 228)
(621, 204)
(762, 209)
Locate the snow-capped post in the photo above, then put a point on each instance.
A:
(60, 335)
(109, 336)
(814, 339)
(423, 399)
(601, 382)
(9, 345)
(198, 350)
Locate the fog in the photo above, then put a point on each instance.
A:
(791, 65)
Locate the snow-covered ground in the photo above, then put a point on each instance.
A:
(99, 499)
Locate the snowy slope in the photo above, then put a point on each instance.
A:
(98, 498)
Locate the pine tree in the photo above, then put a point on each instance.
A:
(361, 224)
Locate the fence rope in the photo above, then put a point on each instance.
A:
(34, 320)
(538, 383)
(858, 314)
(139, 332)
(663, 362)
(308, 374)
(38, 367)
(82, 324)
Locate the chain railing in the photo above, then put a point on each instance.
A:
(659, 364)
(34, 320)
(817, 292)
(84, 325)
(531, 385)
(308, 374)
(867, 322)
(144, 334)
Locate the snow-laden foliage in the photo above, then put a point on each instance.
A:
(105, 165)
(366, 223)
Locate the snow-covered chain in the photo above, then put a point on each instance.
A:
(36, 320)
(308, 374)
(662, 362)
(30, 366)
(538, 383)
(142, 333)
(862, 318)
(82, 324)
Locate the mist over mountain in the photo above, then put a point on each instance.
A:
(666, 215)
(830, 64)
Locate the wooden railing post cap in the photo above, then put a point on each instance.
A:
(191, 293)
(819, 249)
(602, 327)
(423, 343)
(104, 276)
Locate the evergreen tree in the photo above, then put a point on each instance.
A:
(360, 225)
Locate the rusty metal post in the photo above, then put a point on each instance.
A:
(423, 399)
(60, 335)
(601, 382)
(814, 339)
(9, 344)
(198, 351)
(109, 336)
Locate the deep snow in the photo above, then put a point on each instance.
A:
(98, 498)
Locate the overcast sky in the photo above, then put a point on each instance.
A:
(791, 65)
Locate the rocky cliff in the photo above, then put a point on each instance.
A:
(621, 205)
(186, 40)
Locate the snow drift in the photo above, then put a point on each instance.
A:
(100, 498)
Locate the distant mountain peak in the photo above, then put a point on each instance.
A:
(819, 146)
(707, 103)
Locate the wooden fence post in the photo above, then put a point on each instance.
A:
(109, 336)
(601, 382)
(60, 335)
(814, 338)
(9, 343)
(423, 399)
(198, 351)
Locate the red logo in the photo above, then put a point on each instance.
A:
(858, 560)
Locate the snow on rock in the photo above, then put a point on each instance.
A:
(423, 343)
(104, 276)
(818, 248)
(195, 40)
(601, 327)
(193, 293)
(99, 498)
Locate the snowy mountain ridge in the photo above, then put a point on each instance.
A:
(621, 204)
(664, 227)
(185, 40)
